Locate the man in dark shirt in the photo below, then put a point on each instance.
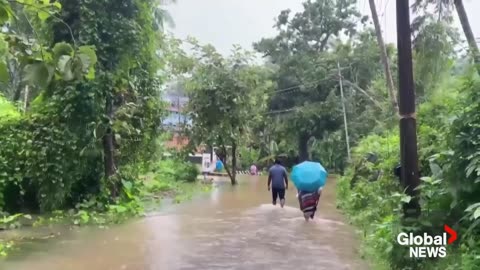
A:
(278, 179)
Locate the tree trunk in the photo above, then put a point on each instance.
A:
(234, 164)
(109, 149)
(17, 94)
(303, 147)
(472, 44)
(383, 55)
(231, 174)
(210, 150)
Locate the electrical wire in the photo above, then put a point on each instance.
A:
(295, 87)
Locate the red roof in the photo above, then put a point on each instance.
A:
(177, 142)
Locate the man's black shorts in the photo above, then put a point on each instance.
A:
(278, 192)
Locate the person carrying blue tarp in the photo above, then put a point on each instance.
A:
(309, 179)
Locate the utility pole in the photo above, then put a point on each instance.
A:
(408, 131)
(344, 112)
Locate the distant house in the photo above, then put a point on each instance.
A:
(176, 119)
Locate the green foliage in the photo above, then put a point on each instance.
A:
(448, 190)
(5, 247)
(225, 96)
(7, 110)
(176, 170)
(224, 93)
(52, 157)
(464, 139)
(370, 194)
(433, 51)
(306, 54)
(249, 156)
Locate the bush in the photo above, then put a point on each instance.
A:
(371, 195)
(7, 110)
(177, 170)
(188, 172)
(248, 156)
(449, 163)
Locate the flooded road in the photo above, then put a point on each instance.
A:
(230, 228)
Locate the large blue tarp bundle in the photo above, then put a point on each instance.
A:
(309, 176)
(219, 165)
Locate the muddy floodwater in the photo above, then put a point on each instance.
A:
(229, 228)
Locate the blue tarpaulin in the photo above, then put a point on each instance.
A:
(309, 176)
(219, 166)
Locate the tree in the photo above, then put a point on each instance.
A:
(434, 42)
(162, 16)
(307, 69)
(384, 56)
(226, 96)
(443, 8)
(467, 29)
(34, 179)
(126, 88)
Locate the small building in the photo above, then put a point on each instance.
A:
(176, 119)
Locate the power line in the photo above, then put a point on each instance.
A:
(305, 84)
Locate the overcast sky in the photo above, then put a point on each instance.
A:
(223, 23)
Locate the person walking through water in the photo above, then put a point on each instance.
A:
(305, 172)
(278, 182)
(253, 170)
(308, 202)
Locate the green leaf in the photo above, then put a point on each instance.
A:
(90, 52)
(436, 170)
(65, 67)
(91, 74)
(127, 185)
(85, 60)
(43, 15)
(476, 214)
(406, 199)
(62, 48)
(62, 62)
(473, 206)
(118, 137)
(4, 15)
(57, 5)
(120, 209)
(38, 74)
(77, 68)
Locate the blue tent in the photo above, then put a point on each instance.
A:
(309, 176)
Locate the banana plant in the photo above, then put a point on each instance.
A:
(273, 151)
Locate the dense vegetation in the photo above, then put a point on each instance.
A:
(328, 46)
(81, 108)
(81, 111)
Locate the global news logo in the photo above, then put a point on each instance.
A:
(428, 246)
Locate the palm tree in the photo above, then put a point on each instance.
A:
(383, 55)
(443, 7)
(162, 16)
(462, 15)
